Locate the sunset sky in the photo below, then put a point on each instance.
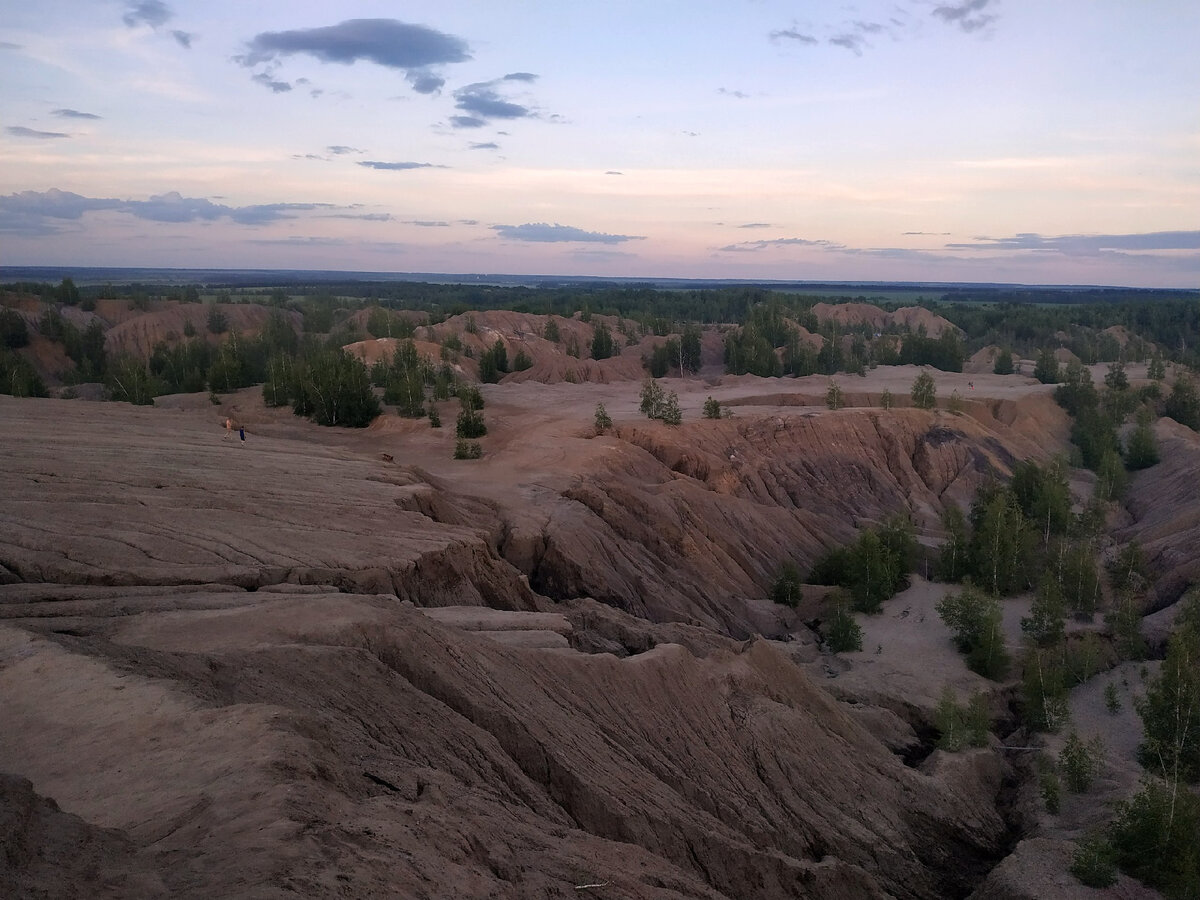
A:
(974, 140)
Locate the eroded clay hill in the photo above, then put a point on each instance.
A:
(296, 668)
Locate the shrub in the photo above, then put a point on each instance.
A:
(470, 423)
(712, 409)
(843, 634)
(1155, 838)
(885, 399)
(333, 388)
(217, 322)
(1093, 862)
(1004, 362)
(1141, 451)
(603, 421)
(1080, 762)
(467, 449)
(1183, 403)
(18, 377)
(670, 413)
(924, 392)
(602, 342)
(14, 332)
(1044, 689)
(786, 588)
(1051, 789)
(1157, 369)
(1170, 709)
(1046, 624)
(833, 396)
(656, 404)
(976, 620)
(961, 725)
(1047, 371)
(1112, 700)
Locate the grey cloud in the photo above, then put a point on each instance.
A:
(520, 76)
(792, 34)
(174, 207)
(740, 95)
(485, 145)
(154, 13)
(386, 42)
(397, 166)
(543, 233)
(613, 172)
(425, 82)
(468, 221)
(170, 207)
(968, 15)
(74, 114)
(26, 225)
(482, 101)
(9, 45)
(1088, 244)
(315, 156)
(756, 225)
(183, 38)
(261, 214)
(467, 122)
(427, 223)
(589, 255)
(852, 42)
(54, 204)
(320, 241)
(755, 246)
(298, 241)
(868, 27)
(277, 87)
(22, 131)
(342, 149)
(362, 217)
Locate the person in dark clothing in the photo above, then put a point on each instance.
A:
(242, 433)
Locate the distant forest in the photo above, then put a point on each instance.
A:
(767, 331)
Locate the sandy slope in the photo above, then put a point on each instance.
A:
(206, 647)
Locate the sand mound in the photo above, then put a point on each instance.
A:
(909, 317)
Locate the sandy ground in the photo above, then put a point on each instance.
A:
(540, 438)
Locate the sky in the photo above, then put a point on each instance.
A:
(968, 140)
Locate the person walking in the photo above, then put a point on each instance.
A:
(228, 429)
(242, 433)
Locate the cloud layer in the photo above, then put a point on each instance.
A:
(412, 49)
(483, 101)
(1088, 244)
(397, 166)
(22, 131)
(543, 233)
(33, 212)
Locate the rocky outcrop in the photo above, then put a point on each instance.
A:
(139, 334)
(45, 852)
(302, 743)
(684, 524)
(1164, 501)
(907, 318)
(248, 668)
